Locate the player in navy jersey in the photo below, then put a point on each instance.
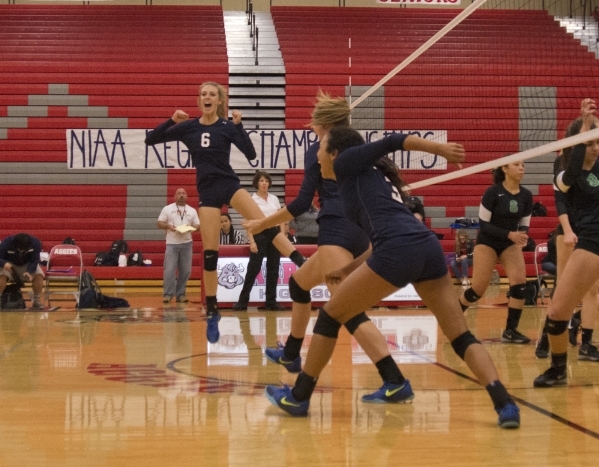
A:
(340, 241)
(504, 214)
(580, 181)
(209, 140)
(403, 251)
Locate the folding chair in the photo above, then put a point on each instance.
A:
(543, 276)
(63, 272)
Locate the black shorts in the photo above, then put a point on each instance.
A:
(218, 192)
(499, 246)
(590, 244)
(340, 231)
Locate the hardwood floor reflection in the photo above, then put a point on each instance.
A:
(144, 387)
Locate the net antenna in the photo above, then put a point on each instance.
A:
(423, 48)
(520, 156)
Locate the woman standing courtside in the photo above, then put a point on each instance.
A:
(504, 215)
(369, 188)
(209, 140)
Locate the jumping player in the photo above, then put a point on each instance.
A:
(504, 213)
(209, 140)
(369, 188)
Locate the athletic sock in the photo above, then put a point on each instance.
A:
(389, 371)
(513, 318)
(587, 336)
(559, 361)
(498, 394)
(293, 347)
(304, 387)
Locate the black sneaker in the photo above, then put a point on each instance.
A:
(240, 306)
(542, 350)
(552, 377)
(588, 352)
(512, 336)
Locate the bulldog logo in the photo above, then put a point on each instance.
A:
(229, 277)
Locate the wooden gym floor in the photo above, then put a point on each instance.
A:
(142, 387)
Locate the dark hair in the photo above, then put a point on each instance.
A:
(22, 241)
(498, 175)
(231, 233)
(259, 174)
(573, 129)
(343, 137)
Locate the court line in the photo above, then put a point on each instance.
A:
(521, 401)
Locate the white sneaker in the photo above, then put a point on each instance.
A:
(465, 283)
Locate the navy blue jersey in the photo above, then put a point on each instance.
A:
(328, 195)
(31, 257)
(370, 199)
(502, 212)
(582, 193)
(209, 145)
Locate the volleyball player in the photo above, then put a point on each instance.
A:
(504, 214)
(404, 251)
(580, 180)
(209, 140)
(340, 241)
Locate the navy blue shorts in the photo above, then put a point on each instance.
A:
(402, 263)
(218, 192)
(340, 231)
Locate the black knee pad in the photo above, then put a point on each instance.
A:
(210, 260)
(517, 291)
(325, 325)
(354, 323)
(461, 343)
(556, 328)
(298, 294)
(471, 296)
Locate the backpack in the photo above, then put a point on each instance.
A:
(88, 291)
(119, 246)
(538, 210)
(106, 259)
(531, 293)
(90, 295)
(12, 298)
(466, 222)
(68, 241)
(135, 259)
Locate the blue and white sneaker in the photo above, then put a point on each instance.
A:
(391, 394)
(283, 399)
(277, 355)
(509, 416)
(212, 331)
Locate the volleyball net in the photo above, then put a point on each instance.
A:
(501, 77)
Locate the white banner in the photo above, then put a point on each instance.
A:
(420, 2)
(231, 277)
(276, 149)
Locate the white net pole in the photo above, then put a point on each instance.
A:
(520, 156)
(423, 48)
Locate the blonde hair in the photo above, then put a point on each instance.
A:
(457, 240)
(330, 111)
(221, 110)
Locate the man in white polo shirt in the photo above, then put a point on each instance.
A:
(174, 218)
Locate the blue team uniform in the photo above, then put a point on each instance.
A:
(404, 249)
(333, 227)
(210, 149)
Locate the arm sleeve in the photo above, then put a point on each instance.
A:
(561, 205)
(163, 133)
(242, 140)
(303, 201)
(356, 159)
(564, 180)
(485, 212)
